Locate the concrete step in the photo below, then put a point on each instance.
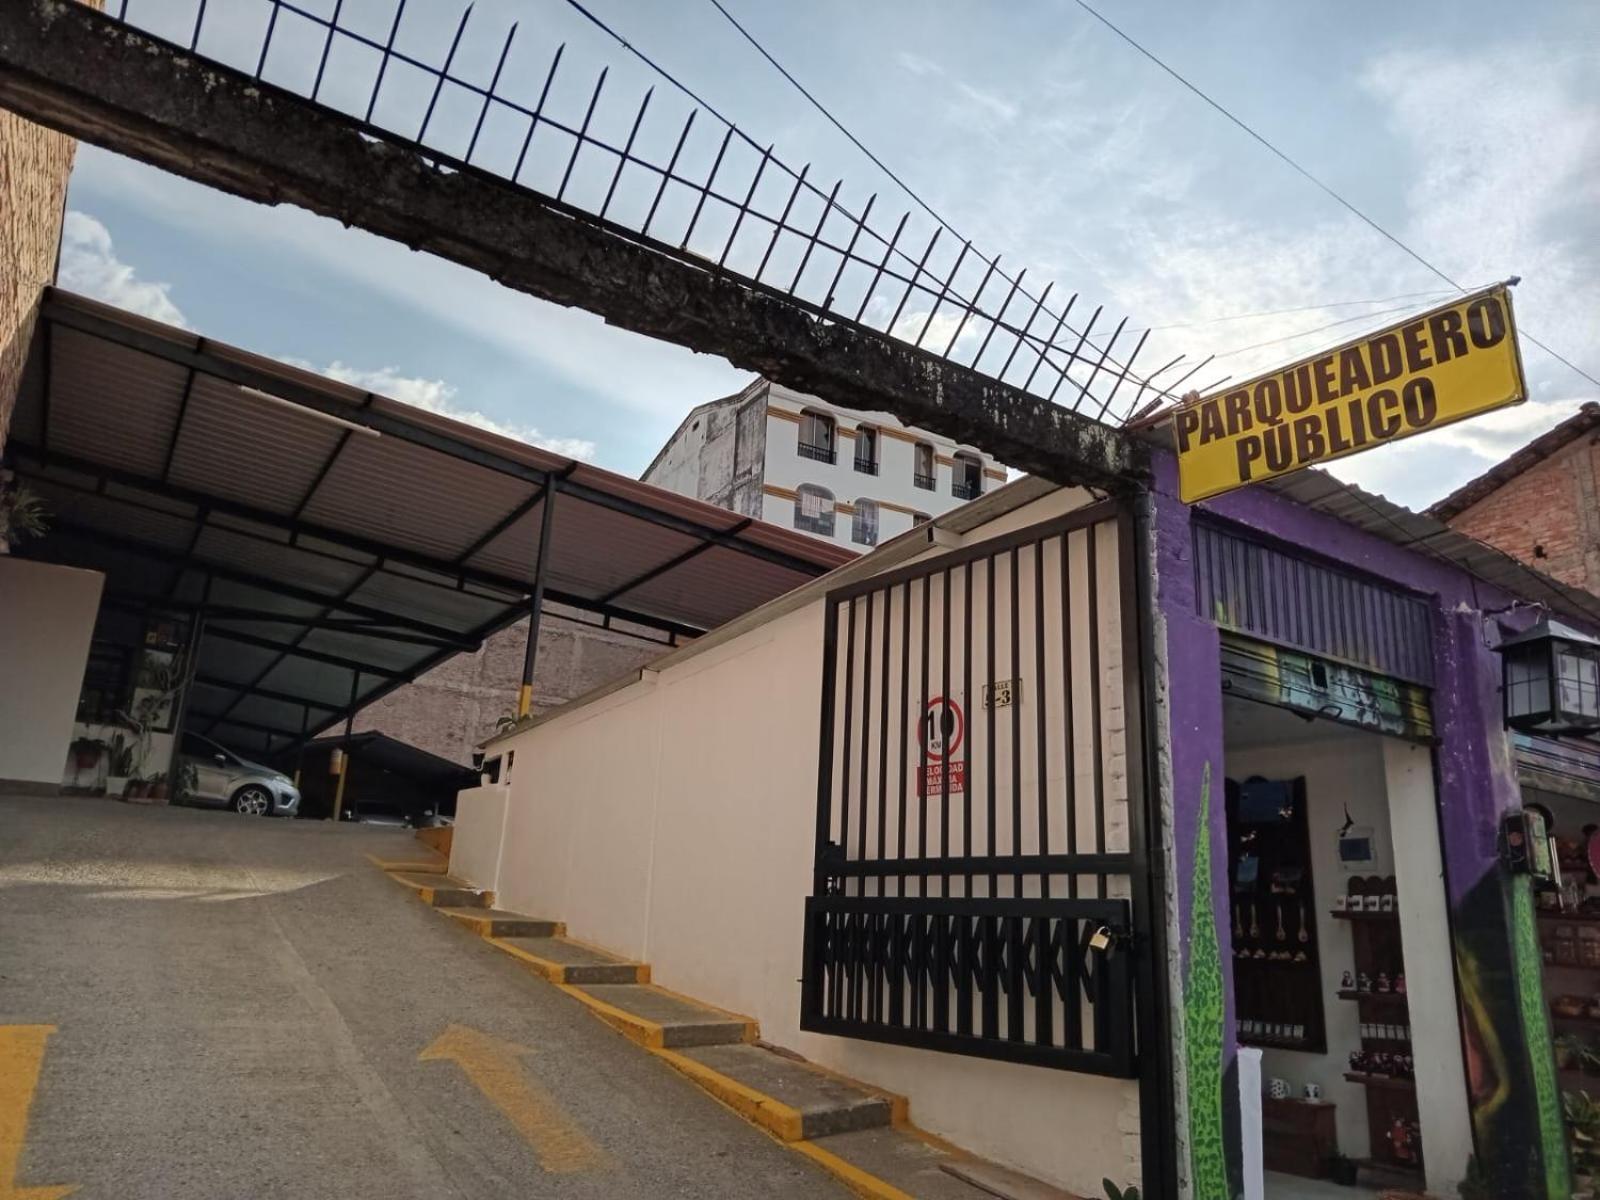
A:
(498, 923)
(444, 891)
(787, 1096)
(899, 1158)
(659, 1019)
(562, 960)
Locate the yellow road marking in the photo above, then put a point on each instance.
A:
(862, 1183)
(21, 1056)
(493, 1068)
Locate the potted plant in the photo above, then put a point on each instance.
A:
(1582, 1114)
(22, 512)
(119, 765)
(157, 789)
(86, 752)
(188, 781)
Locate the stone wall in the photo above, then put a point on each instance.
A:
(34, 165)
(1548, 516)
(455, 706)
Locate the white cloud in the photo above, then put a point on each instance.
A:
(437, 396)
(89, 266)
(918, 65)
(988, 102)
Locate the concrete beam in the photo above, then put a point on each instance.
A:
(68, 67)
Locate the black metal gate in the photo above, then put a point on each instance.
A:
(980, 803)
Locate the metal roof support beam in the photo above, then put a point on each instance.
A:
(266, 693)
(296, 528)
(289, 650)
(670, 565)
(541, 563)
(340, 601)
(241, 723)
(387, 424)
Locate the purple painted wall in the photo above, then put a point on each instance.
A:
(1476, 776)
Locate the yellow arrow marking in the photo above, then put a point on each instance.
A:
(493, 1068)
(21, 1056)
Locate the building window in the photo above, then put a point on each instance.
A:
(922, 467)
(864, 525)
(813, 509)
(817, 436)
(966, 477)
(866, 449)
(919, 519)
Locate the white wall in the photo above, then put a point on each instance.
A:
(47, 616)
(674, 820)
(480, 824)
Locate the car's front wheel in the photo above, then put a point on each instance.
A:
(252, 801)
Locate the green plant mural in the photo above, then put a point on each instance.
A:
(1204, 1017)
(1536, 1029)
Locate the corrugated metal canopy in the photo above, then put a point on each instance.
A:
(341, 542)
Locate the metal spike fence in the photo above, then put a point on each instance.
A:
(748, 215)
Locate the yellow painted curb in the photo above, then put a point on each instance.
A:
(557, 972)
(862, 1183)
(777, 1118)
(636, 1029)
(641, 971)
(439, 867)
(899, 1106)
(752, 1027)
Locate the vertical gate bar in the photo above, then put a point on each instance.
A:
(1092, 577)
(845, 981)
(866, 741)
(919, 955)
(966, 747)
(818, 936)
(944, 770)
(1041, 729)
(922, 753)
(988, 663)
(883, 737)
(1072, 993)
(990, 979)
(940, 974)
(1118, 1001)
(1015, 978)
(905, 718)
(1016, 725)
(1043, 992)
(897, 969)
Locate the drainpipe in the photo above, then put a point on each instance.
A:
(344, 751)
(536, 601)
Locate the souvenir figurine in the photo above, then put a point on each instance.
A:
(1400, 985)
(1365, 983)
(1383, 981)
(1347, 982)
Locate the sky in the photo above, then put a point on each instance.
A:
(1468, 131)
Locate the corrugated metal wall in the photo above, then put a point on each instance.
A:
(1267, 592)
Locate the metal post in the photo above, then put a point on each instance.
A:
(300, 746)
(344, 752)
(191, 666)
(536, 601)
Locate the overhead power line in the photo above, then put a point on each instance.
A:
(1313, 179)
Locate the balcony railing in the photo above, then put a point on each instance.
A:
(925, 482)
(814, 451)
(867, 466)
(965, 490)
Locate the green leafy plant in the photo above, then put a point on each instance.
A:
(22, 512)
(1113, 1192)
(188, 780)
(504, 722)
(119, 753)
(1582, 1113)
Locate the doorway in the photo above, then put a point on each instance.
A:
(1339, 932)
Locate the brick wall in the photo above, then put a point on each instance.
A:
(34, 165)
(1548, 516)
(455, 706)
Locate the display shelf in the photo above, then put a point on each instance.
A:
(1392, 1082)
(1556, 917)
(1396, 999)
(1346, 915)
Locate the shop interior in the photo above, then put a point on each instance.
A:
(1569, 936)
(1315, 808)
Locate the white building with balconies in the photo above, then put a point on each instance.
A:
(852, 477)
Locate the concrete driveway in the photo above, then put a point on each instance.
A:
(238, 1010)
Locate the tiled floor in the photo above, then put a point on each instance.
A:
(1293, 1187)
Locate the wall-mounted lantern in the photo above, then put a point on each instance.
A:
(1551, 676)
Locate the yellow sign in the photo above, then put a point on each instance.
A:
(1455, 362)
